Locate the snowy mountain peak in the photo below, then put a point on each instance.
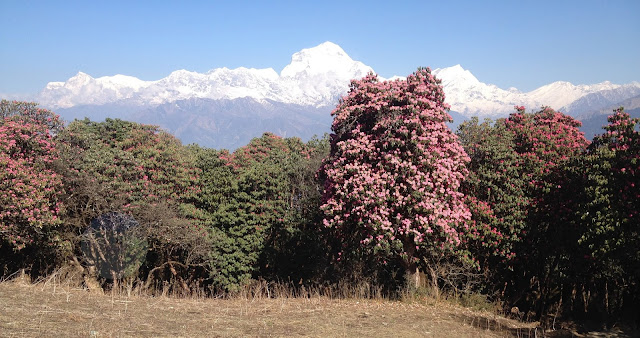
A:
(457, 69)
(318, 76)
(324, 58)
(119, 82)
(53, 86)
(456, 74)
(323, 51)
(79, 79)
(181, 73)
(81, 74)
(325, 48)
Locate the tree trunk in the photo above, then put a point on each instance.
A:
(182, 283)
(412, 272)
(89, 276)
(91, 280)
(114, 276)
(412, 277)
(434, 282)
(23, 277)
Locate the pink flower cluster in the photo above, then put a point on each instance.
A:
(29, 188)
(545, 140)
(394, 172)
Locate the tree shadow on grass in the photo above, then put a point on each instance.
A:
(501, 325)
(514, 328)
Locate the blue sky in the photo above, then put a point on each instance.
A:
(524, 44)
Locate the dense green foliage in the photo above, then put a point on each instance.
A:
(547, 142)
(607, 219)
(559, 215)
(124, 167)
(495, 191)
(610, 214)
(256, 205)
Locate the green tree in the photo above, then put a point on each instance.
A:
(608, 217)
(253, 207)
(495, 192)
(547, 143)
(138, 170)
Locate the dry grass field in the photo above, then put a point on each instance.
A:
(48, 309)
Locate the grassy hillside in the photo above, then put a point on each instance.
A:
(50, 309)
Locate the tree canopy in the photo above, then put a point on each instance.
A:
(394, 172)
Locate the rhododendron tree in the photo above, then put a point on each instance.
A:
(495, 192)
(250, 202)
(609, 214)
(547, 143)
(138, 170)
(119, 165)
(393, 175)
(30, 112)
(29, 187)
(612, 217)
(544, 140)
(256, 208)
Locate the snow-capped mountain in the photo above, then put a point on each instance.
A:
(470, 97)
(593, 121)
(600, 102)
(227, 107)
(316, 76)
(83, 89)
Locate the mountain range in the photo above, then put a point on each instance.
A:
(225, 108)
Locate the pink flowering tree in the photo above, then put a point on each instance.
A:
(545, 141)
(29, 187)
(547, 144)
(392, 178)
(612, 215)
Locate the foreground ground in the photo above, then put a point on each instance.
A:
(47, 309)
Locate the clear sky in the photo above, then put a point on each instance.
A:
(524, 44)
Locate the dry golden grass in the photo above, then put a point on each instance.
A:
(54, 309)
